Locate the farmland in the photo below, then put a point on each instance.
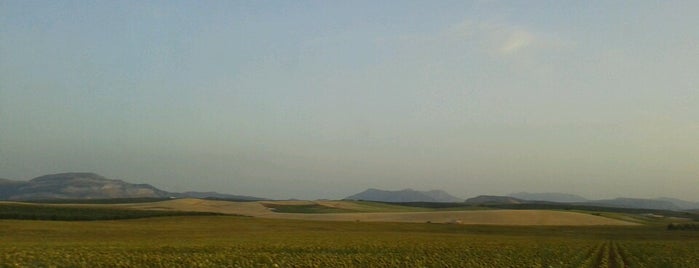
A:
(378, 212)
(234, 241)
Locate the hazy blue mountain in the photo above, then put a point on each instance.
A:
(406, 195)
(75, 186)
(493, 199)
(8, 187)
(215, 195)
(442, 196)
(623, 202)
(682, 204)
(6, 182)
(551, 197)
(91, 186)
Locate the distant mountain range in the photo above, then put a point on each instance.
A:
(551, 197)
(621, 202)
(410, 195)
(91, 186)
(406, 195)
(75, 186)
(682, 204)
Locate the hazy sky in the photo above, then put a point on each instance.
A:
(323, 99)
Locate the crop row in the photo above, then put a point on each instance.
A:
(482, 253)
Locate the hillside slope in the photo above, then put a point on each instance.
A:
(75, 186)
(90, 186)
(406, 195)
(550, 197)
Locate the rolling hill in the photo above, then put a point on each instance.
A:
(406, 195)
(75, 186)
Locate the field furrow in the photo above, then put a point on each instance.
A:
(601, 258)
(629, 259)
(615, 259)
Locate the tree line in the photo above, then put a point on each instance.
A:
(683, 226)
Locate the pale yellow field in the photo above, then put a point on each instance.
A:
(486, 217)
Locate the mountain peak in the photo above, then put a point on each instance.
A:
(87, 185)
(69, 176)
(77, 185)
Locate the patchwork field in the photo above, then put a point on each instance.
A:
(378, 212)
(234, 241)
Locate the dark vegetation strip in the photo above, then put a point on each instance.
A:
(310, 208)
(99, 201)
(435, 205)
(128, 200)
(235, 199)
(683, 226)
(60, 213)
(666, 213)
(549, 206)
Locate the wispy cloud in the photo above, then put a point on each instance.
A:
(494, 38)
(517, 40)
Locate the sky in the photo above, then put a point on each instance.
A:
(323, 99)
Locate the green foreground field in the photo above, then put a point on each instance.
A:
(230, 241)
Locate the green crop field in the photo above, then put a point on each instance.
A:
(229, 241)
(81, 213)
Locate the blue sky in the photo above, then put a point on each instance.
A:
(322, 99)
